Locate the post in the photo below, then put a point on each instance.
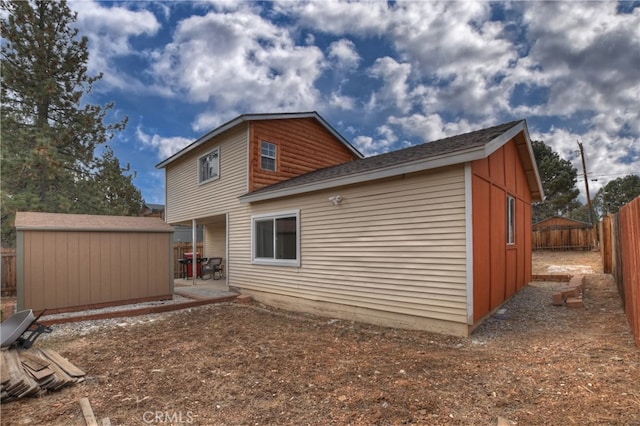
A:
(586, 184)
(194, 245)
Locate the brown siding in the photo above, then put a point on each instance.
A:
(500, 270)
(303, 146)
(66, 270)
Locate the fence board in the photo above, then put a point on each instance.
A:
(8, 272)
(622, 232)
(563, 238)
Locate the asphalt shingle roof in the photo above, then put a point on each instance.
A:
(441, 147)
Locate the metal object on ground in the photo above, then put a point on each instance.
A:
(23, 322)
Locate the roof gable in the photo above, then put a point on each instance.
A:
(444, 152)
(256, 117)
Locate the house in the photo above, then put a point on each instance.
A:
(152, 210)
(433, 237)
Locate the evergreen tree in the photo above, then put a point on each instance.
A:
(616, 193)
(559, 179)
(49, 135)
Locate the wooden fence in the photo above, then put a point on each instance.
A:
(564, 238)
(620, 245)
(8, 272)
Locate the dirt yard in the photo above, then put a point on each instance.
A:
(530, 364)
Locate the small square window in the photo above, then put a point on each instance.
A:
(269, 156)
(209, 166)
(511, 220)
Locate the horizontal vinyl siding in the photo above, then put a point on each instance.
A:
(187, 199)
(396, 245)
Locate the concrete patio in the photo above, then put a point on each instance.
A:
(202, 288)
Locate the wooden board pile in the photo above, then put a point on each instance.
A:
(35, 372)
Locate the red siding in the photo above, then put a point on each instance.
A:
(481, 256)
(303, 145)
(500, 270)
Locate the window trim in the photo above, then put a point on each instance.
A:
(202, 182)
(511, 220)
(274, 158)
(273, 261)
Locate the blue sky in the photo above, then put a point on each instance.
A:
(385, 74)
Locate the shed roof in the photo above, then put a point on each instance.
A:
(560, 221)
(444, 152)
(37, 221)
(257, 117)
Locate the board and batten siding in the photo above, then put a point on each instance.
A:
(187, 199)
(393, 252)
(74, 270)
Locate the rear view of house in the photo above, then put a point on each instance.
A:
(434, 237)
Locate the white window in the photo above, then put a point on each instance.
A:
(511, 220)
(275, 238)
(209, 166)
(268, 156)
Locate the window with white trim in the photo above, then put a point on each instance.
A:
(511, 220)
(209, 166)
(268, 156)
(275, 238)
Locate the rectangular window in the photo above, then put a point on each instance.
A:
(276, 238)
(511, 220)
(268, 156)
(209, 166)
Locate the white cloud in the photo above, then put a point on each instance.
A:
(383, 143)
(607, 157)
(337, 100)
(588, 56)
(343, 53)
(165, 146)
(431, 127)
(339, 17)
(109, 30)
(238, 61)
(395, 86)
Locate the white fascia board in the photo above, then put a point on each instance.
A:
(499, 141)
(536, 174)
(458, 157)
(256, 117)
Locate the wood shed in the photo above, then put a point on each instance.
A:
(68, 262)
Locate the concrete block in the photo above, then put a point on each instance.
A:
(558, 299)
(575, 302)
(244, 298)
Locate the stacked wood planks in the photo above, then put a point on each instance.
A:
(35, 372)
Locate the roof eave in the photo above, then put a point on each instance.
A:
(450, 159)
(256, 117)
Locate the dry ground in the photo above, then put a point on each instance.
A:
(532, 364)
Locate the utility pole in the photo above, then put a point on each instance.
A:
(586, 183)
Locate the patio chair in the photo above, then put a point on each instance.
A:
(212, 266)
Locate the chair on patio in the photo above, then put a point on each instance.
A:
(212, 266)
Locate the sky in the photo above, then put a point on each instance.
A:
(385, 75)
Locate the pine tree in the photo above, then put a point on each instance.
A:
(559, 179)
(616, 194)
(49, 134)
